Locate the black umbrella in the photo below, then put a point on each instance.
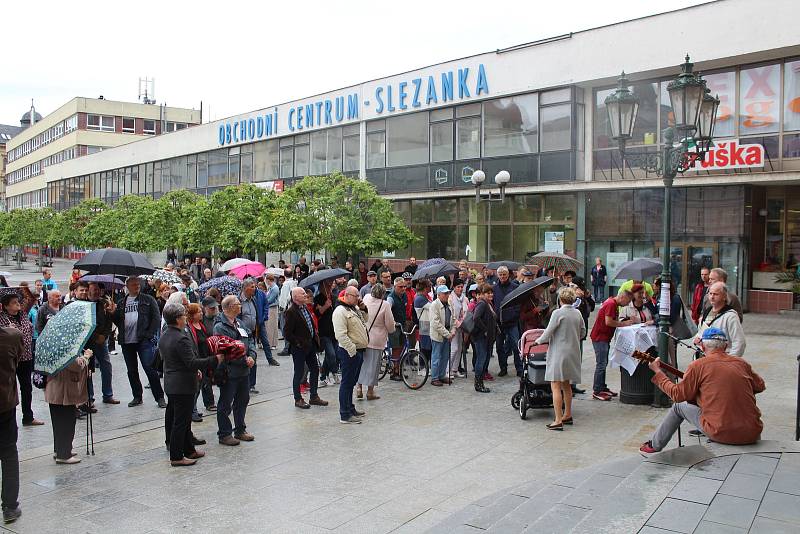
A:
(510, 265)
(519, 294)
(640, 269)
(435, 271)
(115, 261)
(321, 276)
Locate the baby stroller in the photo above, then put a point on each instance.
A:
(534, 390)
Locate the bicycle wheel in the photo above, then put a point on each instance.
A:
(386, 358)
(414, 369)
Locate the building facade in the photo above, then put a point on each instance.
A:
(81, 127)
(537, 111)
(6, 133)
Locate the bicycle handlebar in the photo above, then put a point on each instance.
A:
(400, 326)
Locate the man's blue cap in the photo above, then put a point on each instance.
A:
(442, 289)
(714, 333)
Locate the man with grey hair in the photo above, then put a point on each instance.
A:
(717, 395)
(249, 317)
(302, 334)
(721, 314)
(234, 394)
(508, 321)
(720, 275)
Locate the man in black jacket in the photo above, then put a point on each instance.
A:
(10, 352)
(234, 394)
(138, 321)
(181, 365)
(303, 337)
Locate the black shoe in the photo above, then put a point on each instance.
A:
(274, 362)
(357, 413)
(161, 403)
(696, 433)
(283, 353)
(196, 441)
(503, 372)
(11, 514)
(135, 402)
(87, 408)
(480, 388)
(577, 390)
(254, 391)
(395, 378)
(197, 418)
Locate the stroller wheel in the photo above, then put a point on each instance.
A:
(523, 407)
(515, 400)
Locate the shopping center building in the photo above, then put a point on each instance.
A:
(537, 111)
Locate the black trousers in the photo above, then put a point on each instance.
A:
(301, 359)
(63, 418)
(178, 425)
(9, 459)
(24, 372)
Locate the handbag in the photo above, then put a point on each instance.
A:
(468, 322)
(684, 327)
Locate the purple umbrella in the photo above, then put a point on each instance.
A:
(106, 279)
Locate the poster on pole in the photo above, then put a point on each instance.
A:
(613, 262)
(554, 242)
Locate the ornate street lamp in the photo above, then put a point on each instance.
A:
(695, 112)
(502, 179)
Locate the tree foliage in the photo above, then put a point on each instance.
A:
(333, 213)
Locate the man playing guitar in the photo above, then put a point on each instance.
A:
(716, 395)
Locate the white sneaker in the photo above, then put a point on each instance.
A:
(71, 460)
(460, 374)
(337, 378)
(323, 382)
(113, 352)
(352, 420)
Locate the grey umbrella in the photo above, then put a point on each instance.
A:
(640, 269)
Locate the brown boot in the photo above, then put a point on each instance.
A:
(359, 392)
(183, 462)
(303, 405)
(316, 401)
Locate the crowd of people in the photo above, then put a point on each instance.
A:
(336, 332)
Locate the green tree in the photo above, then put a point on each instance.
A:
(19, 229)
(336, 213)
(172, 212)
(41, 228)
(137, 222)
(238, 214)
(73, 223)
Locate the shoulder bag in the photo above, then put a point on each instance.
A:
(684, 327)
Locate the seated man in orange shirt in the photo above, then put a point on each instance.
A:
(717, 395)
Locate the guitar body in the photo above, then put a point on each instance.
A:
(647, 358)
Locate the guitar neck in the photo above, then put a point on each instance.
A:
(643, 356)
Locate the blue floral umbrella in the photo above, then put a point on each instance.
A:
(64, 337)
(432, 261)
(227, 285)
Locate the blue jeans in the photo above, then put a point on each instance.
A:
(599, 293)
(234, 395)
(145, 351)
(507, 343)
(330, 364)
(102, 360)
(481, 356)
(351, 367)
(601, 357)
(264, 340)
(262, 336)
(440, 357)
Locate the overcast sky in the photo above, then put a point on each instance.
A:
(238, 56)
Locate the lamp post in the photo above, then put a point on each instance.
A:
(502, 179)
(695, 113)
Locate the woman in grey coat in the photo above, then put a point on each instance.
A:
(564, 333)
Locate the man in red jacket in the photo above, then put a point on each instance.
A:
(699, 294)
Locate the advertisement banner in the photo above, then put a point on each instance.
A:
(554, 242)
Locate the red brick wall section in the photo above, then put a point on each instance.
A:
(81, 121)
(117, 124)
(761, 301)
(139, 127)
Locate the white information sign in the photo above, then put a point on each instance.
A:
(664, 302)
(613, 261)
(554, 242)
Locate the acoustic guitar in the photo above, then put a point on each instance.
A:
(647, 358)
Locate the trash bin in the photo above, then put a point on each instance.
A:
(636, 388)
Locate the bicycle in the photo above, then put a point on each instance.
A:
(414, 366)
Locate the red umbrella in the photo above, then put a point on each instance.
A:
(248, 269)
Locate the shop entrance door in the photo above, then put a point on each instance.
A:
(686, 260)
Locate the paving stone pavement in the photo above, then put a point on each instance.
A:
(419, 458)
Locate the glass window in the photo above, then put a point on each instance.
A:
(500, 246)
(246, 168)
(468, 133)
(376, 150)
(352, 153)
(441, 114)
(287, 162)
(421, 210)
(791, 95)
(723, 85)
(202, 170)
(645, 131)
(468, 110)
(407, 139)
(511, 125)
(319, 149)
(179, 178)
(128, 124)
(334, 153)
(527, 208)
(559, 208)
(525, 243)
(149, 127)
(351, 129)
(233, 169)
(266, 161)
(553, 97)
(301, 160)
(134, 189)
(376, 126)
(556, 127)
(442, 141)
(218, 167)
(287, 141)
(791, 146)
(759, 99)
(444, 210)
(441, 242)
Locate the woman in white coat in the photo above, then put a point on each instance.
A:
(379, 326)
(564, 333)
